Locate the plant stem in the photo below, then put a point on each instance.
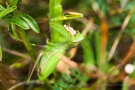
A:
(55, 9)
(27, 43)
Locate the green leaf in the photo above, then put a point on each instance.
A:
(62, 84)
(55, 8)
(49, 64)
(12, 31)
(31, 22)
(98, 48)
(73, 71)
(6, 11)
(60, 29)
(17, 21)
(0, 53)
(67, 78)
(78, 37)
(1, 7)
(14, 2)
(88, 53)
(50, 59)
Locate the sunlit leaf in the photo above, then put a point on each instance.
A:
(31, 22)
(78, 37)
(48, 65)
(6, 11)
(17, 21)
(55, 8)
(50, 59)
(1, 8)
(13, 32)
(60, 29)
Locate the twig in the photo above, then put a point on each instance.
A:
(125, 60)
(124, 25)
(22, 83)
(39, 56)
(15, 53)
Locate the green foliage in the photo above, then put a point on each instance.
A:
(88, 53)
(119, 15)
(50, 59)
(55, 8)
(14, 2)
(1, 8)
(17, 21)
(69, 15)
(31, 22)
(7, 10)
(24, 21)
(53, 52)
(60, 29)
(65, 82)
(12, 31)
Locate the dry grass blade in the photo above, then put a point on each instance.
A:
(125, 60)
(128, 56)
(96, 8)
(124, 25)
(22, 83)
(104, 38)
(16, 53)
(32, 70)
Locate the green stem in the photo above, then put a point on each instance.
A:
(27, 43)
(98, 46)
(55, 9)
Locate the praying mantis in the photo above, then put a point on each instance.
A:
(50, 57)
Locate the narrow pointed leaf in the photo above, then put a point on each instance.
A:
(17, 21)
(12, 31)
(49, 64)
(62, 84)
(60, 29)
(1, 8)
(50, 59)
(31, 22)
(88, 53)
(55, 8)
(6, 11)
(78, 37)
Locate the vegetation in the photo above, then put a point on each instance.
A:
(67, 44)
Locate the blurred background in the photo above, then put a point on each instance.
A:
(108, 46)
